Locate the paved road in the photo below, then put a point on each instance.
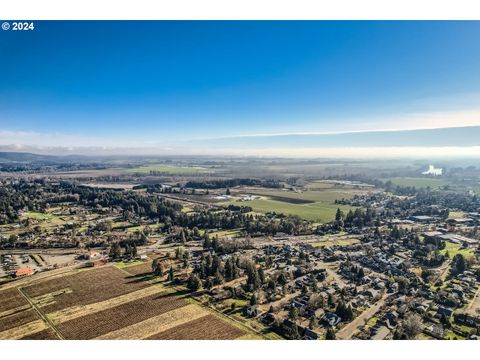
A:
(348, 331)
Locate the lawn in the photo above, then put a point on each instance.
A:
(122, 264)
(454, 249)
(320, 211)
(456, 214)
(168, 169)
(419, 182)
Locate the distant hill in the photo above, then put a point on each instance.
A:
(24, 157)
(27, 158)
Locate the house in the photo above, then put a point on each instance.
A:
(319, 313)
(96, 263)
(310, 335)
(422, 218)
(436, 330)
(331, 319)
(392, 318)
(269, 318)
(380, 285)
(24, 271)
(444, 311)
(252, 311)
(467, 319)
(371, 293)
(92, 254)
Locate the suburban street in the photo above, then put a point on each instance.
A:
(348, 331)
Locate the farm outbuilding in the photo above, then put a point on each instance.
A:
(24, 271)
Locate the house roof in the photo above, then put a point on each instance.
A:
(23, 271)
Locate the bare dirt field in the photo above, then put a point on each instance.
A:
(17, 319)
(94, 325)
(206, 328)
(107, 303)
(11, 299)
(47, 334)
(82, 288)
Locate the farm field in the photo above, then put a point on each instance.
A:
(418, 182)
(109, 303)
(328, 195)
(318, 206)
(167, 169)
(335, 242)
(318, 211)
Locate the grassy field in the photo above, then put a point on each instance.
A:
(418, 182)
(167, 169)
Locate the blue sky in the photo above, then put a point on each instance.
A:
(149, 83)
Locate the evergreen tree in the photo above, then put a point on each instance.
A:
(171, 274)
(193, 282)
(115, 252)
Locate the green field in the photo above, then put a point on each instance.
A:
(38, 216)
(318, 206)
(168, 169)
(317, 211)
(418, 182)
(454, 249)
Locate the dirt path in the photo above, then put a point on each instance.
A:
(348, 331)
